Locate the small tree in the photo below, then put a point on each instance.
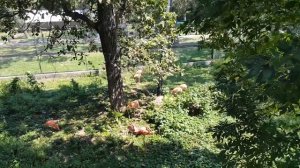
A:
(150, 46)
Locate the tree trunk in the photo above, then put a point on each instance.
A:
(107, 30)
(159, 90)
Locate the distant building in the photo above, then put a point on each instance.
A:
(46, 19)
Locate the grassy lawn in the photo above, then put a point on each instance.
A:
(19, 66)
(93, 136)
(192, 54)
(23, 58)
(30, 51)
(19, 56)
(191, 38)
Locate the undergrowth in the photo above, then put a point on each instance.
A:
(93, 136)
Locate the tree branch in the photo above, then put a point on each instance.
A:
(121, 11)
(75, 16)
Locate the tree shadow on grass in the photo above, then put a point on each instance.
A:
(6, 63)
(17, 51)
(192, 54)
(191, 76)
(25, 142)
(107, 152)
(116, 152)
(27, 111)
(9, 62)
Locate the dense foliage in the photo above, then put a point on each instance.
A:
(259, 78)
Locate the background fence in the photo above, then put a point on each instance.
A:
(25, 54)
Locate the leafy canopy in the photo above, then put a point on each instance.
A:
(259, 78)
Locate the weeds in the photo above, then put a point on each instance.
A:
(181, 137)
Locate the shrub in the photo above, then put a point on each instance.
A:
(174, 119)
(34, 85)
(264, 133)
(29, 98)
(186, 119)
(14, 86)
(195, 102)
(19, 95)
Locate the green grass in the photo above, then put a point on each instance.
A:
(49, 64)
(30, 51)
(25, 59)
(189, 38)
(18, 66)
(180, 140)
(192, 54)
(182, 125)
(16, 60)
(200, 75)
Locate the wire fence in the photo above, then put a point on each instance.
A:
(22, 54)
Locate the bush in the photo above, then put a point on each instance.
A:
(13, 87)
(18, 86)
(184, 112)
(264, 133)
(174, 121)
(197, 101)
(35, 86)
(28, 97)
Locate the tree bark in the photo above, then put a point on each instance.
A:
(159, 91)
(107, 29)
